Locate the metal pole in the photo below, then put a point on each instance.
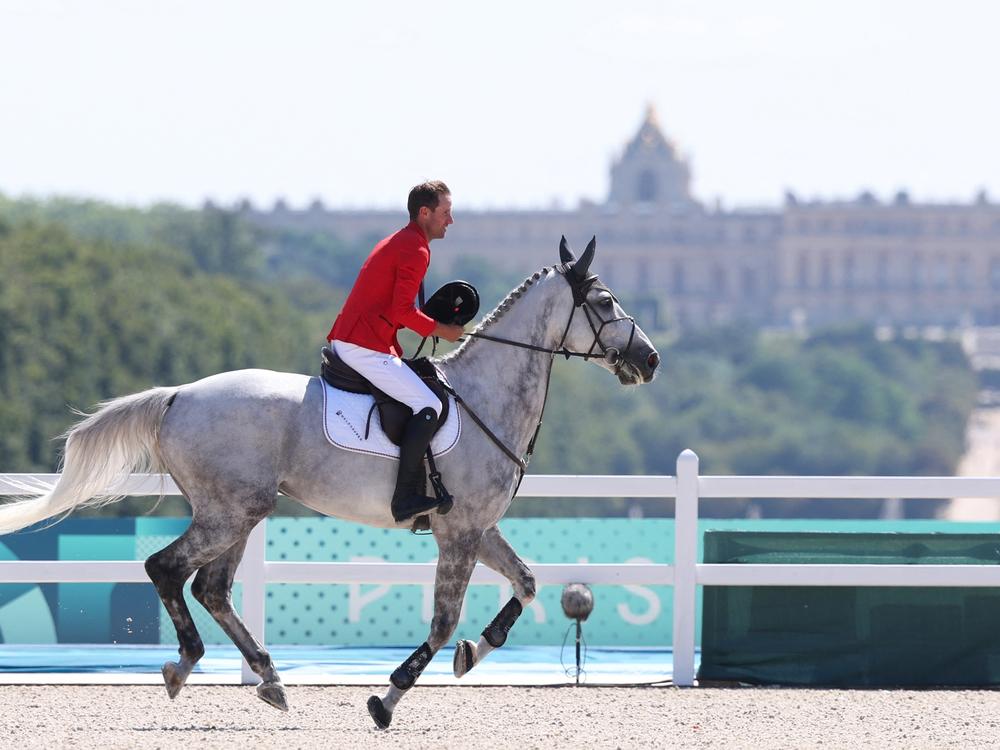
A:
(252, 575)
(579, 630)
(685, 567)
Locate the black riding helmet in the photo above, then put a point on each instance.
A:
(456, 303)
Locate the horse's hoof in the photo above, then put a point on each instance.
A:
(381, 715)
(465, 657)
(273, 693)
(174, 678)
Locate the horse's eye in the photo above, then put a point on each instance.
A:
(605, 300)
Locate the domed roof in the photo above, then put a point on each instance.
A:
(650, 138)
(650, 174)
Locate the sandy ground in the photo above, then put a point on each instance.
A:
(981, 459)
(491, 717)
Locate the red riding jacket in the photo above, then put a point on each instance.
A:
(381, 301)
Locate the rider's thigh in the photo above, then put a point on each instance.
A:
(389, 374)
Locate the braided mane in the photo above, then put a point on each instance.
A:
(498, 312)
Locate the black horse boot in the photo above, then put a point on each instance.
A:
(408, 500)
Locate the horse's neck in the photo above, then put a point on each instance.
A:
(506, 385)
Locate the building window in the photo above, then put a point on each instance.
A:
(678, 282)
(941, 273)
(642, 275)
(609, 276)
(825, 272)
(917, 271)
(749, 282)
(963, 273)
(719, 280)
(802, 272)
(850, 271)
(647, 187)
(995, 273)
(882, 271)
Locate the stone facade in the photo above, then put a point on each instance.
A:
(804, 263)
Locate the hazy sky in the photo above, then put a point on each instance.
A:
(514, 103)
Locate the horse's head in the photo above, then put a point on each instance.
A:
(598, 325)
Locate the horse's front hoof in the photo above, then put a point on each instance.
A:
(379, 713)
(465, 657)
(174, 678)
(273, 693)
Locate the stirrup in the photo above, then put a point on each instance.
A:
(445, 500)
(421, 525)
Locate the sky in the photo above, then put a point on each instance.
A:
(523, 103)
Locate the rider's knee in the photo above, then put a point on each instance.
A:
(429, 403)
(433, 402)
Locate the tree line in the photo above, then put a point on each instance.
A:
(98, 301)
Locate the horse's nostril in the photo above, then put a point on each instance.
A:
(652, 361)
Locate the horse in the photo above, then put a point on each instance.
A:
(234, 440)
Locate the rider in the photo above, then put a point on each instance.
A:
(380, 303)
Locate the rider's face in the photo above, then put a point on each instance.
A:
(437, 221)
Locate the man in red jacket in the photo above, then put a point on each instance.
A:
(380, 303)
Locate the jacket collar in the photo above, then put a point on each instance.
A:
(416, 228)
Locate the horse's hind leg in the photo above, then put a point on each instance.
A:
(456, 559)
(213, 588)
(210, 534)
(496, 553)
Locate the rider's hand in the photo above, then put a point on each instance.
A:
(448, 332)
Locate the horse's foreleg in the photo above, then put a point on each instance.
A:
(213, 588)
(496, 553)
(456, 559)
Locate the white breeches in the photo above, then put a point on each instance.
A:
(390, 374)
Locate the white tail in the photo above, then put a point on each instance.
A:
(101, 451)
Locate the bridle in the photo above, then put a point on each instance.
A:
(581, 284)
(612, 355)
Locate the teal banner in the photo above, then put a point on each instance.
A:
(350, 615)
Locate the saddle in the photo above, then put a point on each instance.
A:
(392, 414)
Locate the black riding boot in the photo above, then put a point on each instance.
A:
(408, 500)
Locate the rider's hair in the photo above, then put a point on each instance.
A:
(425, 194)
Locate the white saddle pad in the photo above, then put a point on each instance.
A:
(345, 416)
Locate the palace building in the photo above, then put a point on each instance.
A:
(804, 263)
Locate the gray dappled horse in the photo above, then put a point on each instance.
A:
(233, 441)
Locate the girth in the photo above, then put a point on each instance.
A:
(392, 414)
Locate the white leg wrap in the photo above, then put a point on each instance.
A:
(482, 649)
(392, 697)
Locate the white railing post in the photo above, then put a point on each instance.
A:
(252, 575)
(685, 567)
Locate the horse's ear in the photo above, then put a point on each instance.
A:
(583, 265)
(565, 254)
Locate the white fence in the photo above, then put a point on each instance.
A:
(685, 575)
